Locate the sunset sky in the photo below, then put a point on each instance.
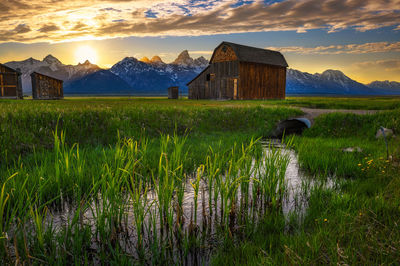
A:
(359, 37)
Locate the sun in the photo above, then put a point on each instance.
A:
(84, 53)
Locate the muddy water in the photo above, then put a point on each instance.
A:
(298, 186)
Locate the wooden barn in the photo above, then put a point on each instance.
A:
(46, 88)
(173, 92)
(10, 83)
(241, 72)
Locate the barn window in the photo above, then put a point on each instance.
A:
(224, 49)
(210, 77)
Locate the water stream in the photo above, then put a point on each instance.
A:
(204, 227)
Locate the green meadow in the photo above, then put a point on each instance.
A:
(155, 181)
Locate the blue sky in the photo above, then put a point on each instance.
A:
(359, 37)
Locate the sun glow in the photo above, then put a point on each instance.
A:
(84, 53)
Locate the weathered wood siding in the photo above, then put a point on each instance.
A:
(222, 87)
(10, 83)
(46, 88)
(199, 86)
(235, 73)
(173, 92)
(261, 81)
(223, 54)
(216, 82)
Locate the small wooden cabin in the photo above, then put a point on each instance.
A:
(241, 72)
(173, 92)
(10, 83)
(46, 88)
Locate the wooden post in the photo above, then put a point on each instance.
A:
(235, 90)
(1, 85)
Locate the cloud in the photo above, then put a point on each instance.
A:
(387, 65)
(4, 8)
(22, 28)
(201, 52)
(374, 47)
(110, 9)
(79, 26)
(188, 17)
(49, 28)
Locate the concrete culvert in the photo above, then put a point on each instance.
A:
(291, 126)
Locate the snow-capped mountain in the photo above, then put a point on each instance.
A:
(184, 60)
(99, 82)
(155, 60)
(385, 85)
(51, 66)
(155, 76)
(330, 82)
(200, 62)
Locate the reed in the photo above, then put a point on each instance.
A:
(5, 217)
(38, 217)
(196, 187)
(141, 207)
(102, 193)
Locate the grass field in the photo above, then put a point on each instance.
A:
(107, 180)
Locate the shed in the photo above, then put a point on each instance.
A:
(241, 72)
(46, 88)
(10, 83)
(173, 92)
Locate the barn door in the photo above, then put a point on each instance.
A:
(223, 88)
(235, 89)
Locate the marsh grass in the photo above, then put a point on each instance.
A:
(366, 103)
(28, 125)
(355, 221)
(104, 193)
(109, 182)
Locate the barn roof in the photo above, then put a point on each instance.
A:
(10, 69)
(37, 73)
(198, 75)
(255, 55)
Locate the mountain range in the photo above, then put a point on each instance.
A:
(335, 82)
(153, 77)
(51, 66)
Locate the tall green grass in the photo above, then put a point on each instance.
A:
(321, 149)
(354, 222)
(28, 125)
(105, 192)
(73, 190)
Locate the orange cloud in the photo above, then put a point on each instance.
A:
(387, 65)
(122, 18)
(374, 47)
